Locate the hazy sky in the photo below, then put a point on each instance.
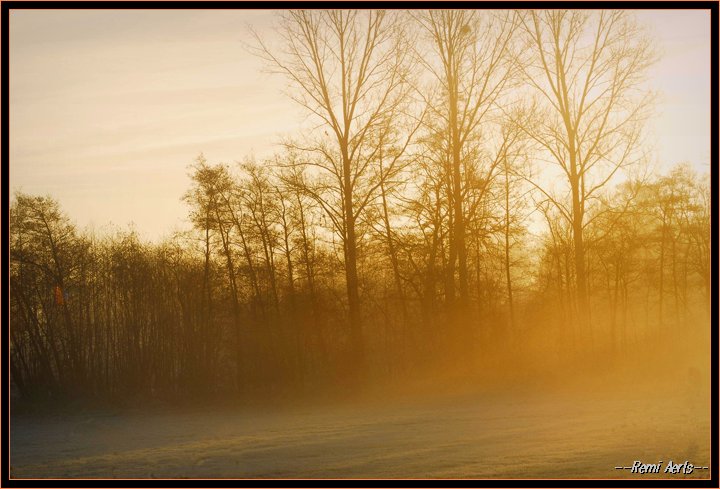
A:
(108, 108)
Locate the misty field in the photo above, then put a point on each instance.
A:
(491, 435)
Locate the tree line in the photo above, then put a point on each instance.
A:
(475, 182)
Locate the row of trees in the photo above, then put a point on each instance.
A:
(254, 297)
(458, 196)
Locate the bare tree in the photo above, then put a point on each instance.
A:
(587, 68)
(513, 155)
(348, 69)
(472, 68)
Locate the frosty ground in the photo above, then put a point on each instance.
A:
(538, 434)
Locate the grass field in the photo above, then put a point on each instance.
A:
(531, 434)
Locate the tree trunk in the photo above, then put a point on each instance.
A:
(351, 276)
(508, 278)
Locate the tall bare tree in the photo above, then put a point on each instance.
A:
(472, 68)
(349, 70)
(587, 68)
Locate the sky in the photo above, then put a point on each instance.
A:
(108, 108)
